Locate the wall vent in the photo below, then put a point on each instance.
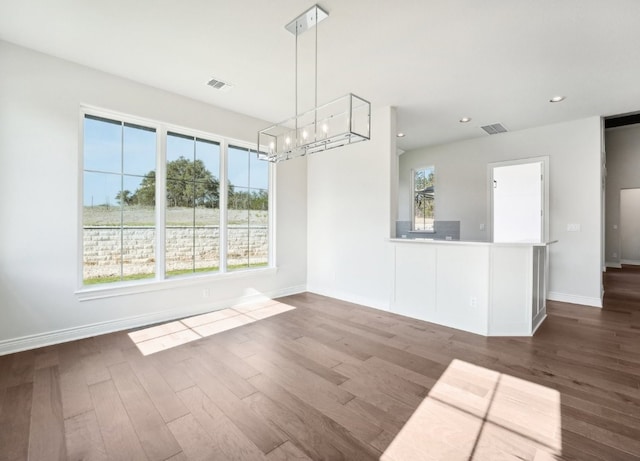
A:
(494, 128)
(219, 84)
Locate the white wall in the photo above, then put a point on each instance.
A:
(623, 172)
(349, 209)
(575, 188)
(40, 98)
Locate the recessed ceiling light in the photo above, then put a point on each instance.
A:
(557, 99)
(400, 135)
(465, 119)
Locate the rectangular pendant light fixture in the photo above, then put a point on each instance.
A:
(343, 121)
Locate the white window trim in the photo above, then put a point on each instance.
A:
(159, 282)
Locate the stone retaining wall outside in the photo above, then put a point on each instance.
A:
(102, 248)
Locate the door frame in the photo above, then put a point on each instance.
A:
(544, 160)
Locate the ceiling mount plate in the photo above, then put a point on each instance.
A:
(307, 20)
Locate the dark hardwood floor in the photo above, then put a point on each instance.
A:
(309, 377)
(622, 292)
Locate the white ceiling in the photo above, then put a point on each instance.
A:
(435, 60)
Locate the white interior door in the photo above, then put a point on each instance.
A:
(630, 226)
(517, 202)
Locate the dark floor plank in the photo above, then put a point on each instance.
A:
(287, 452)
(225, 373)
(156, 387)
(118, 434)
(15, 422)
(83, 438)
(46, 437)
(290, 350)
(313, 430)
(21, 369)
(229, 441)
(251, 425)
(75, 393)
(196, 443)
(153, 434)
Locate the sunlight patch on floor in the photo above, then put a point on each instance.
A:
(172, 334)
(476, 413)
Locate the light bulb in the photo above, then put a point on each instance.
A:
(304, 134)
(325, 128)
(287, 140)
(272, 146)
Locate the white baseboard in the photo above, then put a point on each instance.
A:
(613, 264)
(23, 343)
(633, 262)
(351, 298)
(574, 299)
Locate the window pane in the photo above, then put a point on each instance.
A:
(101, 228)
(258, 172)
(259, 204)
(178, 146)
(179, 250)
(238, 252)
(207, 228)
(139, 150)
(248, 210)
(238, 166)
(138, 233)
(208, 152)
(102, 145)
(193, 202)
(258, 246)
(207, 248)
(238, 213)
(101, 192)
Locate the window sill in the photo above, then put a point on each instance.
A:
(422, 232)
(146, 286)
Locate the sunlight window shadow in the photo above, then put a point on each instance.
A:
(176, 333)
(476, 413)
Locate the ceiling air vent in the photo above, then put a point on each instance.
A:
(219, 84)
(494, 128)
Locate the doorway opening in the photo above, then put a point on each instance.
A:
(630, 226)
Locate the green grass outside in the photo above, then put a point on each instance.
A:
(127, 278)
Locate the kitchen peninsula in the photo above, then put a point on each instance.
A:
(491, 289)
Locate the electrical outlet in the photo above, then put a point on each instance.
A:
(482, 226)
(206, 293)
(573, 227)
(473, 301)
(615, 255)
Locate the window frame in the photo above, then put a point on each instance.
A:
(160, 281)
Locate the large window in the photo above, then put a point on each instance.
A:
(248, 210)
(423, 199)
(152, 201)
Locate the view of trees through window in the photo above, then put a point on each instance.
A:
(119, 212)
(192, 231)
(423, 196)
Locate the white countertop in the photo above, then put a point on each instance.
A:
(468, 242)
